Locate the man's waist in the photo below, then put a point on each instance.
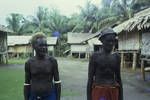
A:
(39, 88)
(105, 81)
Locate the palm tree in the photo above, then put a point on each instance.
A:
(15, 23)
(75, 23)
(38, 22)
(140, 4)
(88, 16)
(127, 8)
(123, 8)
(105, 17)
(57, 22)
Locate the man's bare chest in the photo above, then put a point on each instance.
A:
(41, 67)
(106, 61)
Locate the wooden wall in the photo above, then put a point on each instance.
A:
(78, 48)
(129, 41)
(20, 49)
(145, 45)
(3, 42)
(3, 47)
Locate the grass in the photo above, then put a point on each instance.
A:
(11, 83)
(12, 79)
(17, 61)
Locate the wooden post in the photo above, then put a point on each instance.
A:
(3, 59)
(87, 55)
(142, 69)
(79, 55)
(53, 53)
(17, 55)
(134, 63)
(122, 59)
(0, 58)
(7, 58)
(71, 54)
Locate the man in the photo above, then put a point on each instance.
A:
(40, 71)
(104, 80)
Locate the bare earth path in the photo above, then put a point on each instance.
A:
(74, 78)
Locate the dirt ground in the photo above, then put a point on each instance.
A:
(74, 79)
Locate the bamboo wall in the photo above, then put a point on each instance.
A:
(145, 45)
(129, 41)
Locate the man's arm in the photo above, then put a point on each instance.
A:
(118, 77)
(90, 78)
(27, 82)
(57, 81)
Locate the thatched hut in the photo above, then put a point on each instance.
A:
(3, 44)
(20, 45)
(83, 44)
(131, 35)
(52, 42)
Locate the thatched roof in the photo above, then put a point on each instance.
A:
(77, 38)
(78, 48)
(24, 40)
(52, 40)
(4, 29)
(18, 40)
(139, 22)
(94, 41)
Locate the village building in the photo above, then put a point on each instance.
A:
(134, 39)
(20, 45)
(83, 44)
(3, 44)
(52, 42)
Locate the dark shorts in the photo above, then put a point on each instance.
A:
(47, 96)
(105, 92)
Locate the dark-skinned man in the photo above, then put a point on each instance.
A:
(41, 73)
(104, 79)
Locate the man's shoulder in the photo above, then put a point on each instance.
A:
(51, 58)
(31, 59)
(98, 53)
(116, 54)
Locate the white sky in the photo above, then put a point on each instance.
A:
(29, 7)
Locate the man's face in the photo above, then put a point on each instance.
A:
(108, 42)
(41, 47)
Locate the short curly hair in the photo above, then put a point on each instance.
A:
(37, 36)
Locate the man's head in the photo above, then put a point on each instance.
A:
(108, 38)
(39, 44)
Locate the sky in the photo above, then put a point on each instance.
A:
(29, 7)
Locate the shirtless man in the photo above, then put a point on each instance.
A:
(104, 79)
(41, 73)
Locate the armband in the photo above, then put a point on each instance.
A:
(56, 82)
(25, 84)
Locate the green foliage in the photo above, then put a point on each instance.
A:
(62, 45)
(91, 19)
(16, 61)
(57, 22)
(38, 22)
(14, 22)
(140, 4)
(88, 16)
